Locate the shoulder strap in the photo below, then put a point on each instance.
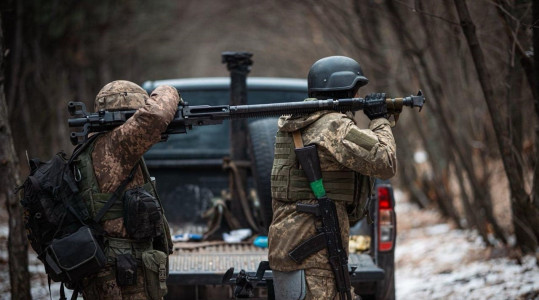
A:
(145, 172)
(119, 190)
(298, 141)
(117, 193)
(78, 150)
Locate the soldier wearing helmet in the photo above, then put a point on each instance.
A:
(349, 158)
(137, 246)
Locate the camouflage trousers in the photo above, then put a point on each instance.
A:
(103, 286)
(321, 285)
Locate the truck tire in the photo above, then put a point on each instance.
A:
(262, 141)
(385, 289)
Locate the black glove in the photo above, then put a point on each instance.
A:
(375, 106)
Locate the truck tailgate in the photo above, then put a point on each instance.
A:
(205, 263)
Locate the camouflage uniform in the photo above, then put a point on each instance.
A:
(343, 149)
(114, 155)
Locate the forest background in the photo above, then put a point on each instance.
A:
(472, 152)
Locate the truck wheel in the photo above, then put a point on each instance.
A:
(385, 289)
(262, 137)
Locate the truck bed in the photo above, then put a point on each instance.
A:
(205, 263)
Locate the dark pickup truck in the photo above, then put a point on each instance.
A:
(193, 180)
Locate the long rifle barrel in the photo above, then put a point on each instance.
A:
(201, 115)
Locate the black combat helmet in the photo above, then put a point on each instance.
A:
(335, 76)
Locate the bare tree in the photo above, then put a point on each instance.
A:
(524, 211)
(9, 176)
(419, 41)
(64, 52)
(430, 71)
(535, 16)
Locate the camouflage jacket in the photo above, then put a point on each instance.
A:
(116, 152)
(341, 146)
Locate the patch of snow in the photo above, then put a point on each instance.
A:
(493, 279)
(4, 231)
(434, 261)
(438, 229)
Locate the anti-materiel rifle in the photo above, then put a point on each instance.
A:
(201, 115)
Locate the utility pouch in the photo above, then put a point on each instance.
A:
(155, 273)
(126, 270)
(76, 255)
(142, 214)
(289, 285)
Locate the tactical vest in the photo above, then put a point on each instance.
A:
(91, 193)
(95, 199)
(289, 184)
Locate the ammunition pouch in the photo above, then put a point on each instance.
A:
(155, 273)
(289, 285)
(74, 256)
(130, 255)
(143, 217)
(126, 270)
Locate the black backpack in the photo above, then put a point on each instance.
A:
(59, 227)
(51, 206)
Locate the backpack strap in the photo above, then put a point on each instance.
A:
(49, 281)
(119, 190)
(117, 193)
(83, 146)
(74, 155)
(76, 292)
(145, 172)
(62, 292)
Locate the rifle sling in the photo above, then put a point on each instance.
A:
(308, 248)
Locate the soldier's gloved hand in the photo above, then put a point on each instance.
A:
(375, 106)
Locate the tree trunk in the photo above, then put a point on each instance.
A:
(483, 214)
(9, 176)
(480, 193)
(444, 195)
(408, 174)
(535, 192)
(517, 36)
(524, 211)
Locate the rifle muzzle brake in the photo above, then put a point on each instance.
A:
(394, 105)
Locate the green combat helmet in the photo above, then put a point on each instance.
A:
(335, 77)
(120, 95)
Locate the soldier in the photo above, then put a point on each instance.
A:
(136, 235)
(348, 157)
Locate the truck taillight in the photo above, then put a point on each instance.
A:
(386, 220)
